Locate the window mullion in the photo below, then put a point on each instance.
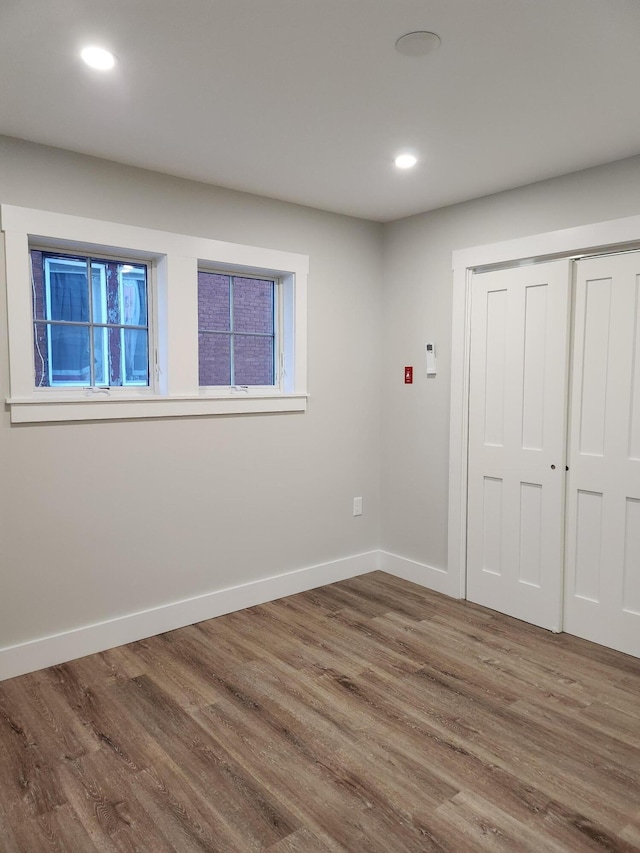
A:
(92, 359)
(47, 315)
(123, 357)
(276, 343)
(232, 364)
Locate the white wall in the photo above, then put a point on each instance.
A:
(100, 520)
(417, 304)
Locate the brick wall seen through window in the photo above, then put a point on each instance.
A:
(236, 330)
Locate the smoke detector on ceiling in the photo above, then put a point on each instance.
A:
(419, 43)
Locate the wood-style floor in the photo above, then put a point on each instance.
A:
(370, 715)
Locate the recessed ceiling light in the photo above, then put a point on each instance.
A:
(406, 161)
(419, 43)
(98, 57)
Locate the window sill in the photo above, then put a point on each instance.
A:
(107, 409)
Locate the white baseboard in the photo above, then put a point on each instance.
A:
(438, 580)
(69, 645)
(60, 648)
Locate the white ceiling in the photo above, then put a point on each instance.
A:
(307, 100)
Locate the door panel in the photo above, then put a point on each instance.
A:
(631, 577)
(517, 432)
(602, 589)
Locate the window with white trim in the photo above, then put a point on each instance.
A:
(90, 321)
(110, 321)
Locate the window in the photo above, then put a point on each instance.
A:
(110, 321)
(236, 330)
(89, 321)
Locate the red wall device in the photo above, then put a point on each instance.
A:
(408, 375)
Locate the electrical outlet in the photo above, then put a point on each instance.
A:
(357, 506)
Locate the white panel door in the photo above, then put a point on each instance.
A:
(602, 591)
(517, 441)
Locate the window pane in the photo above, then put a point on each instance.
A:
(122, 299)
(70, 355)
(62, 355)
(120, 356)
(41, 355)
(66, 289)
(100, 357)
(115, 347)
(132, 310)
(213, 302)
(38, 290)
(99, 291)
(214, 359)
(135, 346)
(253, 360)
(253, 306)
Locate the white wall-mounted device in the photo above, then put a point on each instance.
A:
(431, 359)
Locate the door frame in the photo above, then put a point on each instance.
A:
(598, 238)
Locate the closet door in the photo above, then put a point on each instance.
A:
(602, 593)
(517, 440)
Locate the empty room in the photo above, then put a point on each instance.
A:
(320, 436)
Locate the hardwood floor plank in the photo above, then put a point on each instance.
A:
(184, 811)
(58, 830)
(46, 714)
(355, 771)
(106, 722)
(514, 742)
(7, 825)
(354, 639)
(400, 599)
(302, 646)
(316, 798)
(108, 666)
(27, 780)
(304, 841)
(342, 597)
(599, 745)
(262, 817)
(487, 827)
(104, 801)
(369, 715)
(631, 832)
(175, 672)
(208, 650)
(438, 741)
